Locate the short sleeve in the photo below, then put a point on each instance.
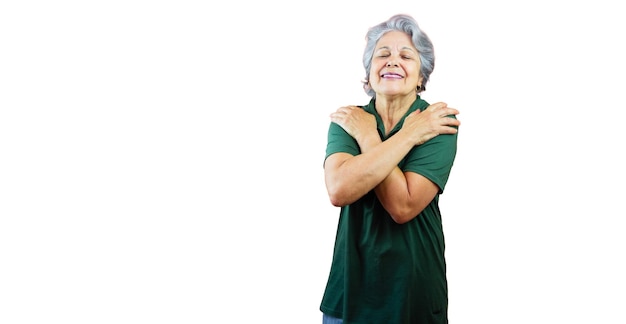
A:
(433, 159)
(340, 141)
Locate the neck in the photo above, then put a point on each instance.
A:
(391, 109)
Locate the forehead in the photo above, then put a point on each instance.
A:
(395, 39)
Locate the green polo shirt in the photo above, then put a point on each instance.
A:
(384, 272)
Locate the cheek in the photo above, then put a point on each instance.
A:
(376, 69)
(373, 70)
(417, 70)
(416, 73)
(372, 74)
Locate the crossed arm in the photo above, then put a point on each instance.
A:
(403, 194)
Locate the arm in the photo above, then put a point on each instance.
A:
(349, 177)
(403, 194)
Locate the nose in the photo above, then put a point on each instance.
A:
(391, 63)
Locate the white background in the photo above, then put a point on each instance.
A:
(161, 161)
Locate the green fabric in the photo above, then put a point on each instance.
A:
(384, 272)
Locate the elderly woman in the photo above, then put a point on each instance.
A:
(386, 165)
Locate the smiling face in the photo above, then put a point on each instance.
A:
(395, 69)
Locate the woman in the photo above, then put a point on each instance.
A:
(386, 165)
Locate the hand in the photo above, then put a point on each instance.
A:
(354, 120)
(432, 121)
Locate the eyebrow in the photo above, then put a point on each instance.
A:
(387, 48)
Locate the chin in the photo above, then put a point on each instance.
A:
(393, 94)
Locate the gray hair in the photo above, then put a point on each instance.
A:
(422, 43)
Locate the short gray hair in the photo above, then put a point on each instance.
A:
(406, 24)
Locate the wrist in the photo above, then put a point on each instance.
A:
(368, 140)
(411, 138)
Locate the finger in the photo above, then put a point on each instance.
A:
(450, 111)
(438, 105)
(338, 114)
(449, 121)
(448, 130)
(344, 110)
